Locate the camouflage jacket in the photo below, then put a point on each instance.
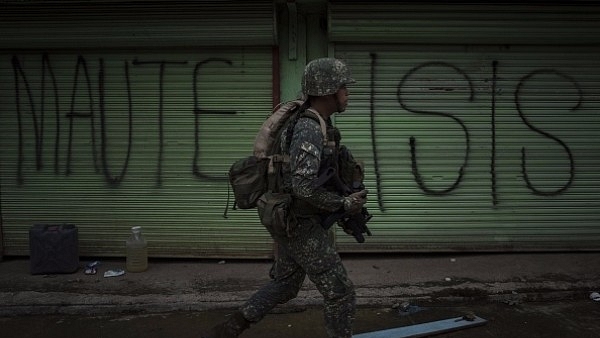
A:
(306, 157)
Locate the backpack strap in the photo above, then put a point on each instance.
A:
(317, 117)
(277, 160)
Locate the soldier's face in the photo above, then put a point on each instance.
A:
(341, 98)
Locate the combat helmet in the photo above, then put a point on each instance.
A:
(325, 76)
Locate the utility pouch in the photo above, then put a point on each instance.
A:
(275, 212)
(248, 178)
(351, 171)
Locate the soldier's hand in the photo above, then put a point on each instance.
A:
(353, 203)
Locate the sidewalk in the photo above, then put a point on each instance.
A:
(380, 280)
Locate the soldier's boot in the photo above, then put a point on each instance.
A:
(231, 328)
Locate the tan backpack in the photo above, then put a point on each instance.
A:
(254, 175)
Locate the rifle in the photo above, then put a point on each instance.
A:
(353, 224)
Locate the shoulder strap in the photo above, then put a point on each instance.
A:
(310, 113)
(317, 117)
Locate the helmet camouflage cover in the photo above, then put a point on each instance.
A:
(325, 76)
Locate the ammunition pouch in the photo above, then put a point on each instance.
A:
(351, 171)
(277, 214)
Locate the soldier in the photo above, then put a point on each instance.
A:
(309, 250)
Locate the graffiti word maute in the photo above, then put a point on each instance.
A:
(82, 83)
(83, 79)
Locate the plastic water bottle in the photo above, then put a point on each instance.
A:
(137, 251)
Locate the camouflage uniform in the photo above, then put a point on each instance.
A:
(310, 250)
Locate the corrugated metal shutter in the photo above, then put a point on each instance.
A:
(393, 22)
(111, 138)
(505, 136)
(94, 24)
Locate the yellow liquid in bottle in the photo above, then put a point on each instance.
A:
(137, 259)
(136, 251)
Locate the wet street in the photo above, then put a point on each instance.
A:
(557, 319)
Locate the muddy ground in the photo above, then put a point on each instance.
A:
(563, 319)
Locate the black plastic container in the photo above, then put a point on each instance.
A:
(53, 248)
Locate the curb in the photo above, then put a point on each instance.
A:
(512, 293)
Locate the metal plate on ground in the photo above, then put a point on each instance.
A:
(425, 329)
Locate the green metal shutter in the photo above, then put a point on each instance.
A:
(392, 22)
(102, 24)
(505, 136)
(109, 137)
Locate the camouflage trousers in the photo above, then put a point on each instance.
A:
(309, 252)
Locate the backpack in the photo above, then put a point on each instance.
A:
(252, 176)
